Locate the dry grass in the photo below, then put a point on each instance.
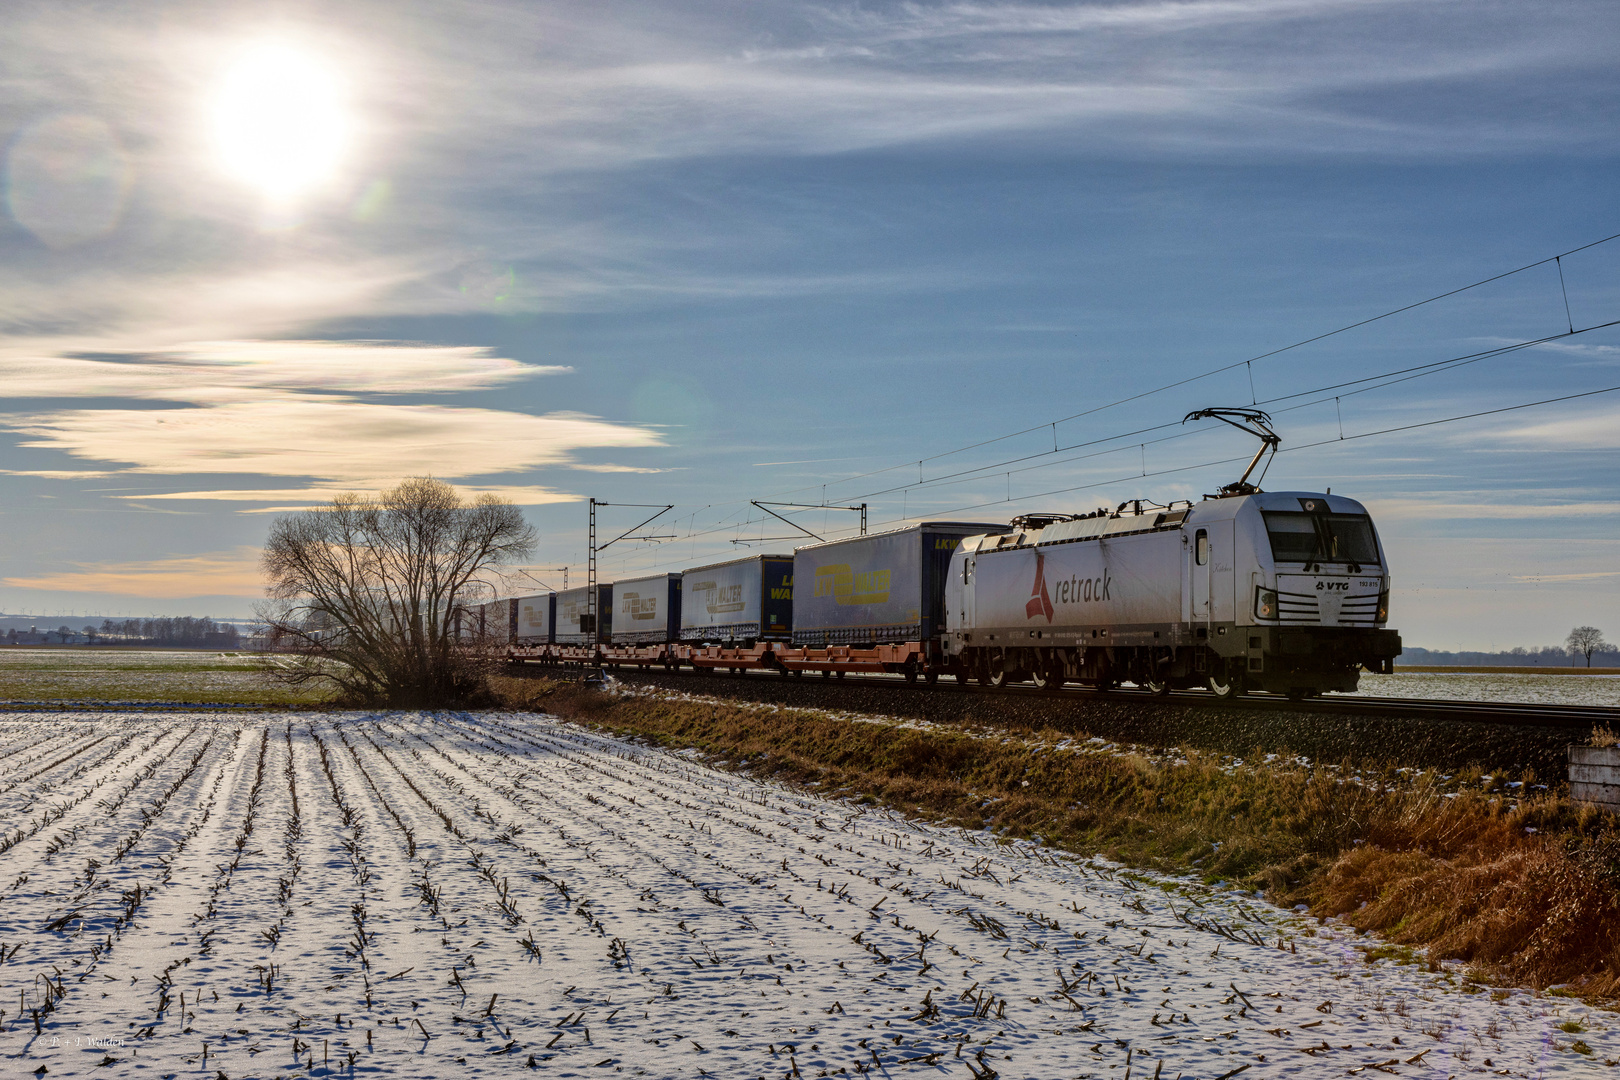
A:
(1525, 890)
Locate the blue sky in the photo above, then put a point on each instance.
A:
(707, 253)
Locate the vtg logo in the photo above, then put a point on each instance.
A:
(1332, 586)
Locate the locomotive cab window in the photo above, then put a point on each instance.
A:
(1296, 537)
(1201, 547)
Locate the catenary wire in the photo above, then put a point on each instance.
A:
(1226, 367)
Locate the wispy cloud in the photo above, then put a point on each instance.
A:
(302, 408)
(1588, 429)
(1590, 576)
(217, 573)
(235, 371)
(1506, 506)
(344, 442)
(304, 498)
(610, 468)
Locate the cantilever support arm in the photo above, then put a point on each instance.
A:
(649, 521)
(779, 517)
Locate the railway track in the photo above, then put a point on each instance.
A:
(1522, 714)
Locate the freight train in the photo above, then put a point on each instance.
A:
(1282, 592)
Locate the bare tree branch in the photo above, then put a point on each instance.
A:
(1586, 640)
(369, 594)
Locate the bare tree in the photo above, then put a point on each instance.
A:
(369, 593)
(1586, 640)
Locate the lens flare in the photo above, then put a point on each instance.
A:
(281, 121)
(67, 179)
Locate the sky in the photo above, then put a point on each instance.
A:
(954, 260)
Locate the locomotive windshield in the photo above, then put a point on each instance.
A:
(1299, 537)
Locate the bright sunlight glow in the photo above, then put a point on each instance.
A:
(281, 121)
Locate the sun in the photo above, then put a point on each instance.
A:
(281, 121)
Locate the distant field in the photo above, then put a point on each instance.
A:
(155, 675)
(71, 673)
(1497, 684)
(1522, 669)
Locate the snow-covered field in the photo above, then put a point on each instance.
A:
(469, 895)
(1531, 687)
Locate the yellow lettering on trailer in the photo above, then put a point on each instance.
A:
(848, 587)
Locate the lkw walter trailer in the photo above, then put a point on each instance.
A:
(536, 619)
(875, 602)
(574, 625)
(738, 602)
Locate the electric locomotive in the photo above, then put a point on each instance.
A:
(1286, 592)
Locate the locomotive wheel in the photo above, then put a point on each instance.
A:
(1157, 687)
(995, 676)
(1047, 678)
(1226, 686)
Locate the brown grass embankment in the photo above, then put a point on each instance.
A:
(1526, 890)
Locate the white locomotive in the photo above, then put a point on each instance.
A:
(1286, 592)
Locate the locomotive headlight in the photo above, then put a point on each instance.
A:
(1383, 606)
(1265, 604)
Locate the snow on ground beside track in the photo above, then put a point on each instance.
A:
(469, 895)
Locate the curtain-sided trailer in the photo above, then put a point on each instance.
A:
(494, 623)
(573, 619)
(536, 619)
(874, 603)
(648, 610)
(739, 602)
(1283, 591)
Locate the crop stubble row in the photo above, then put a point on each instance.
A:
(450, 894)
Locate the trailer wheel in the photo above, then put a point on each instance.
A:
(931, 676)
(910, 672)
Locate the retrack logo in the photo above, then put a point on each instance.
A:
(1039, 602)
